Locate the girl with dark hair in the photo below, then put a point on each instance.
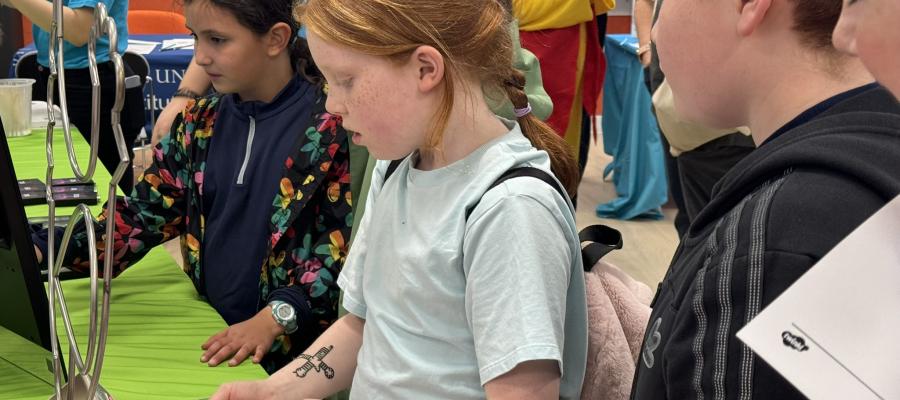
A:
(196, 82)
(254, 179)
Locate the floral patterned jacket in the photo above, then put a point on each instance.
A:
(310, 220)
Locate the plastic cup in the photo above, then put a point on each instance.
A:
(15, 106)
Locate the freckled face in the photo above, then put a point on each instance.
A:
(377, 98)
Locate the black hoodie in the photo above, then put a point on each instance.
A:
(771, 218)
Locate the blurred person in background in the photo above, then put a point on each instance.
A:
(696, 156)
(78, 18)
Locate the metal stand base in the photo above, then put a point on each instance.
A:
(79, 387)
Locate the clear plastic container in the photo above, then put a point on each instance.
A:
(15, 106)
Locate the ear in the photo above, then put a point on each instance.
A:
(278, 38)
(751, 15)
(429, 66)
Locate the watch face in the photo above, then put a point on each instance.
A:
(284, 312)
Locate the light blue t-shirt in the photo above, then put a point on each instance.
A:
(450, 303)
(76, 57)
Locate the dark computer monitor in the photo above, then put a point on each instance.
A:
(24, 308)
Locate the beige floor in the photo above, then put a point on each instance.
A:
(648, 245)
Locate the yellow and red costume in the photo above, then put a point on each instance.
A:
(563, 35)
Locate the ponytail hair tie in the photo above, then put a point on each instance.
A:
(521, 112)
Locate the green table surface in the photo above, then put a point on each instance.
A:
(20, 368)
(157, 319)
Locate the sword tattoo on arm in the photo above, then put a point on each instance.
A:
(316, 363)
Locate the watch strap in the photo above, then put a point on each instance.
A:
(186, 93)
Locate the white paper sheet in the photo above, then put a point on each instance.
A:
(177, 44)
(835, 333)
(141, 46)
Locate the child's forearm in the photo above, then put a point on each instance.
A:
(327, 366)
(76, 23)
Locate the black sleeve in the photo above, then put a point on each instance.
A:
(704, 358)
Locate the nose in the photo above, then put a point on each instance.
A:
(334, 103)
(201, 55)
(844, 35)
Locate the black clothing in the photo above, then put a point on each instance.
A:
(771, 218)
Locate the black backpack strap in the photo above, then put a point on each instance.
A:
(601, 240)
(519, 172)
(391, 168)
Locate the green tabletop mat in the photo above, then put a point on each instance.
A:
(21, 368)
(158, 321)
(153, 349)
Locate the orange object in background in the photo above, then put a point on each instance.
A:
(155, 22)
(26, 32)
(159, 5)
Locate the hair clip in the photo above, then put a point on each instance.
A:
(521, 112)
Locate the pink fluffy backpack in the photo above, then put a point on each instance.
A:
(618, 310)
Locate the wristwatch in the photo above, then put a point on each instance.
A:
(284, 315)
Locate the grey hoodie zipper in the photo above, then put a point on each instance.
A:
(240, 179)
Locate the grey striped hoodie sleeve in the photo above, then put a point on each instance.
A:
(704, 359)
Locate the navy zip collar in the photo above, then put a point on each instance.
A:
(296, 89)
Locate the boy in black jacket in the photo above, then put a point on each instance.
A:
(828, 157)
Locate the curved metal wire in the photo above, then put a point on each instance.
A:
(84, 375)
(55, 51)
(63, 102)
(81, 213)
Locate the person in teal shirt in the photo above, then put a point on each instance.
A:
(78, 18)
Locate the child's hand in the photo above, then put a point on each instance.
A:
(253, 336)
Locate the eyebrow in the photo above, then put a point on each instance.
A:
(205, 31)
(335, 69)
